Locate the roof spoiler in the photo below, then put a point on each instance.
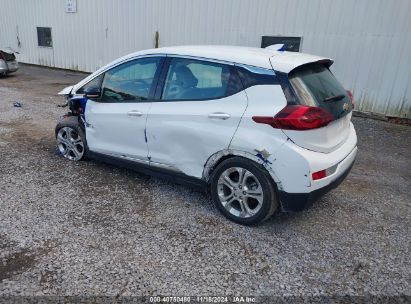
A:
(326, 62)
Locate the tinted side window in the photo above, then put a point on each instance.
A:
(189, 79)
(130, 81)
(251, 76)
(92, 83)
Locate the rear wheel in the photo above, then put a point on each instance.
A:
(71, 140)
(243, 191)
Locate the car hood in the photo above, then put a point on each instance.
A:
(66, 91)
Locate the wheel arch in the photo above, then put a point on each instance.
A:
(73, 119)
(73, 122)
(218, 157)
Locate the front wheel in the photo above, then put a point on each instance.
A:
(243, 191)
(71, 140)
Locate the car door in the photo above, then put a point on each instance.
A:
(200, 104)
(115, 122)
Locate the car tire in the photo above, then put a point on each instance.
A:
(243, 191)
(71, 139)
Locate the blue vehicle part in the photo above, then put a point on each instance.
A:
(83, 102)
(75, 101)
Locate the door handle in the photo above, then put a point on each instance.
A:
(134, 113)
(219, 115)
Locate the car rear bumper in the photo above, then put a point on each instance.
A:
(13, 66)
(3, 66)
(291, 202)
(8, 66)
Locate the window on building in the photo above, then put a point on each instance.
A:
(291, 44)
(44, 36)
(189, 79)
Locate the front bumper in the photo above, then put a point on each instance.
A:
(292, 202)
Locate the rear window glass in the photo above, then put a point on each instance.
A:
(314, 84)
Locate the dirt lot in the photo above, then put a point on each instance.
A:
(86, 228)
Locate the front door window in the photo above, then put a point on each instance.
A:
(131, 81)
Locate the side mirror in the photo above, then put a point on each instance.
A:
(92, 92)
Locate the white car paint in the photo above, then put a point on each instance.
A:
(293, 165)
(287, 61)
(251, 137)
(183, 136)
(325, 139)
(117, 129)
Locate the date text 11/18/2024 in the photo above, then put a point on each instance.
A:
(202, 299)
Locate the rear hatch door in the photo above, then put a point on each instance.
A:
(314, 85)
(7, 54)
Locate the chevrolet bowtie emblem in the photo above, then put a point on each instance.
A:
(346, 106)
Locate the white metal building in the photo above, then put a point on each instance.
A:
(370, 40)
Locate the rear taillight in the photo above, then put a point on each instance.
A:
(351, 96)
(297, 117)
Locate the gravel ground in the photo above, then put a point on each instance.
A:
(86, 228)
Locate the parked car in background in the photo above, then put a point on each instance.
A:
(8, 63)
(263, 129)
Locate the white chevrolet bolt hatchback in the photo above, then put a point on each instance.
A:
(263, 129)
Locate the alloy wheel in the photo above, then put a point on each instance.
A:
(70, 144)
(240, 192)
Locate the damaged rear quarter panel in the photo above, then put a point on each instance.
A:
(215, 159)
(261, 142)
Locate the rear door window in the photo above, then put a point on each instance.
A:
(189, 79)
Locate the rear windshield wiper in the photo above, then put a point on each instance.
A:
(334, 98)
